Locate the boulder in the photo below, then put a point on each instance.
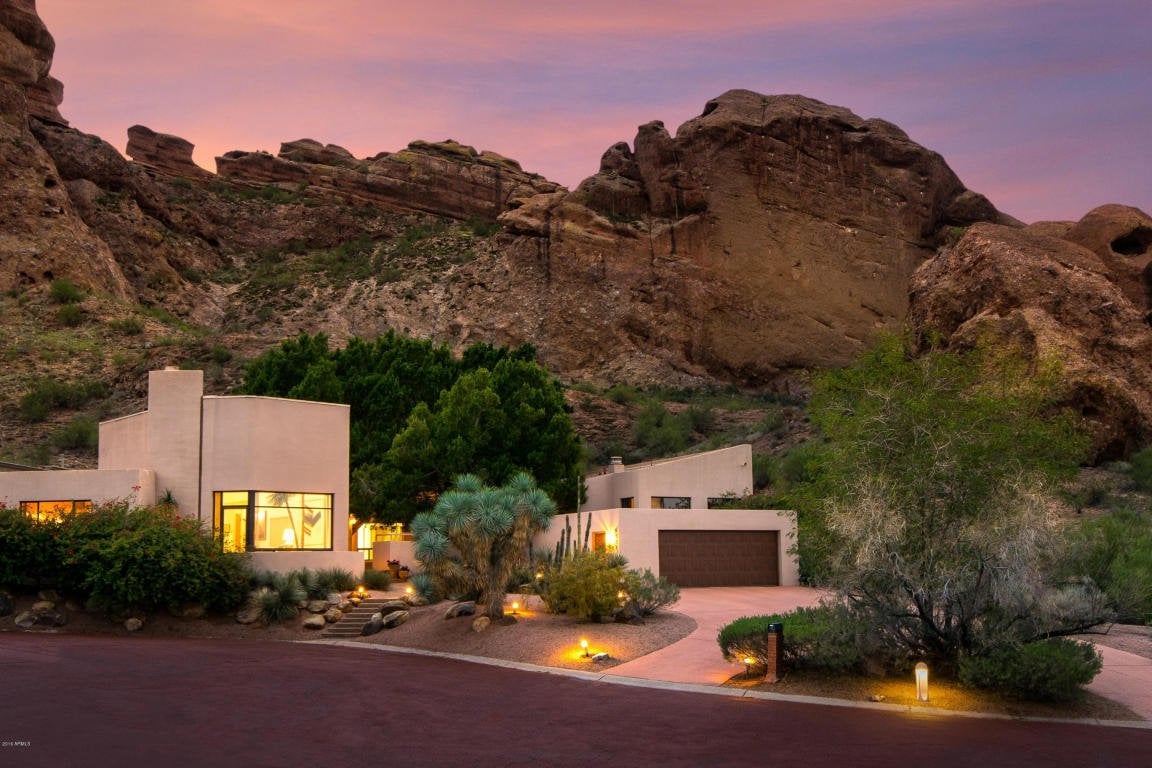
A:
(48, 595)
(373, 625)
(25, 619)
(43, 605)
(133, 624)
(466, 608)
(480, 623)
(415, 600)
(333, 615)
(248, 614)
(315, 622)
(391, 606)
(395, 619)
(316, 606)
(335, 599)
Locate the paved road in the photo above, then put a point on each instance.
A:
(140, 703)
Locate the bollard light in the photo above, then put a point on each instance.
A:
(515, 607)
(922, 682)
(748, 662)
(584, 645)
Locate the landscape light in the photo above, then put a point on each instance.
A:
(584, 645)
(515, 607)
(611, 539)
(922, 682)
(408, 590)
(748, 662)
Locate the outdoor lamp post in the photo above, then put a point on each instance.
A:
(921, 682)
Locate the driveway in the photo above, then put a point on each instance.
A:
(98, 701)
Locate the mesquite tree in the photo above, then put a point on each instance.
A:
(477, 536)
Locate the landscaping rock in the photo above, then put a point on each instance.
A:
(316, 606)
(335, 598)
(345, 605)
(626, 615)
(466, 608)
(48, 595)
(49, 618)
(6, 607)
(480, 623)
(391, 606)
(395, 619)
(602, 656)
(25, 619)
(333, 615)
(373, 625)
(415, 600)
(315, 622)
(354, 600)
(134, 624)
(248, 614)
(43, 605)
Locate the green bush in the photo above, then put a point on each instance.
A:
(129, 326)
(1141, 470)
(378, 580)
(280, 599)
(82, 432)
(814, 638)
(336, 579)
(47, 395)
(28, 551)
(1115, 551)
(1049, 670)
(70, 316)
(64, 291)
(647, 593)
(587, 585)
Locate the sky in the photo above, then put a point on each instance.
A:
(1045, 106)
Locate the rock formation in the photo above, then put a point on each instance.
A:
(1077, 294)
(445, 178)
(770, 234)
(163, 152)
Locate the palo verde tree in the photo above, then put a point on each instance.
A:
(478, 535)
(937, 469)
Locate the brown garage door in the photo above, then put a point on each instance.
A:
(720, 558)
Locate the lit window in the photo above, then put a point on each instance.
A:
(54, 511)
(671, 502)
(267, 520)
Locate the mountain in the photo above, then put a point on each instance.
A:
(766, 237)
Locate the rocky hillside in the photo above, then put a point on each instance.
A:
(768, 236)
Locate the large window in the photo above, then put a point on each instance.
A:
(262, 520)
(45, 511)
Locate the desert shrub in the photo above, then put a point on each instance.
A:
(146, 557)
(336, 579)
(82, 432)
(586, 585)
(424, 586)
(1048, 670)
(814, 638)
(47, 395)
(280, 599)
(1140, 472)
(70, 316)
(28, 553)
(1115, 551)
(128, 326)
(374, 579)
(647, 593)
(64, 291)
(309, 581)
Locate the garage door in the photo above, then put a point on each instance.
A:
(720, 558)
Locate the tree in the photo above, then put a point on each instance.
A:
(478, 535)
(419, 416)
(936, 471)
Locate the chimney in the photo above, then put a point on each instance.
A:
(615, 464)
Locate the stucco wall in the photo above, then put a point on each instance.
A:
(700, 477)
(285, 561)
(173, 427)
(274, 444)
(72, 484)
(638, 531)
(124, 443)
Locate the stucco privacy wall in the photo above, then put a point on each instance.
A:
(274, 444)
(78, 484)
(638, 531)
(727, 471)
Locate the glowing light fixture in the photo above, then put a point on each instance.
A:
(921, 682)
(515, 607)
(611, 538)
(584, 645)
(539, 575)
(360, 591)
(748, 662)
(408, 590)
(289, 537)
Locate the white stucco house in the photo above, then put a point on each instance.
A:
(270, 475)
(662, 515)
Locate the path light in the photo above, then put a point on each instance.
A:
(515, 607)
(360, 591)
(539, 575)
(922, 682)
(748, 662)
(408, 590)
(584, 645)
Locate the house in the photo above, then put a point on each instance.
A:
(665, 515)
(269, 475)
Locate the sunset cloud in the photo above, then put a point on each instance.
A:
(1040, 104)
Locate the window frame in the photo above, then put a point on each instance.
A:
(250, 518)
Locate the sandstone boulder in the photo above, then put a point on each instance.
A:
(163, 152)
(333, 615)
(133, 624)
(466, 608)
(395, 619)
(480, 623)
(315, 622)
(1050, 299)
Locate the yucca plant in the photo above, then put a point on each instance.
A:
(280, 600)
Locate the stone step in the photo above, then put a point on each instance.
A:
(353, 620)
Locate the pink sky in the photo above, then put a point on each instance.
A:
(1043, 105)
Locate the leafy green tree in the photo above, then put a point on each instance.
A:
(934, 483)
(477, 536)
(419, 416)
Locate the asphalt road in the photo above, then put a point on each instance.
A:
(144, 703)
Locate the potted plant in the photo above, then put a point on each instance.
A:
(394, 567)
(404, 573)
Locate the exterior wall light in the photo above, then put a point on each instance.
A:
(921, 682)
(611, 539)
